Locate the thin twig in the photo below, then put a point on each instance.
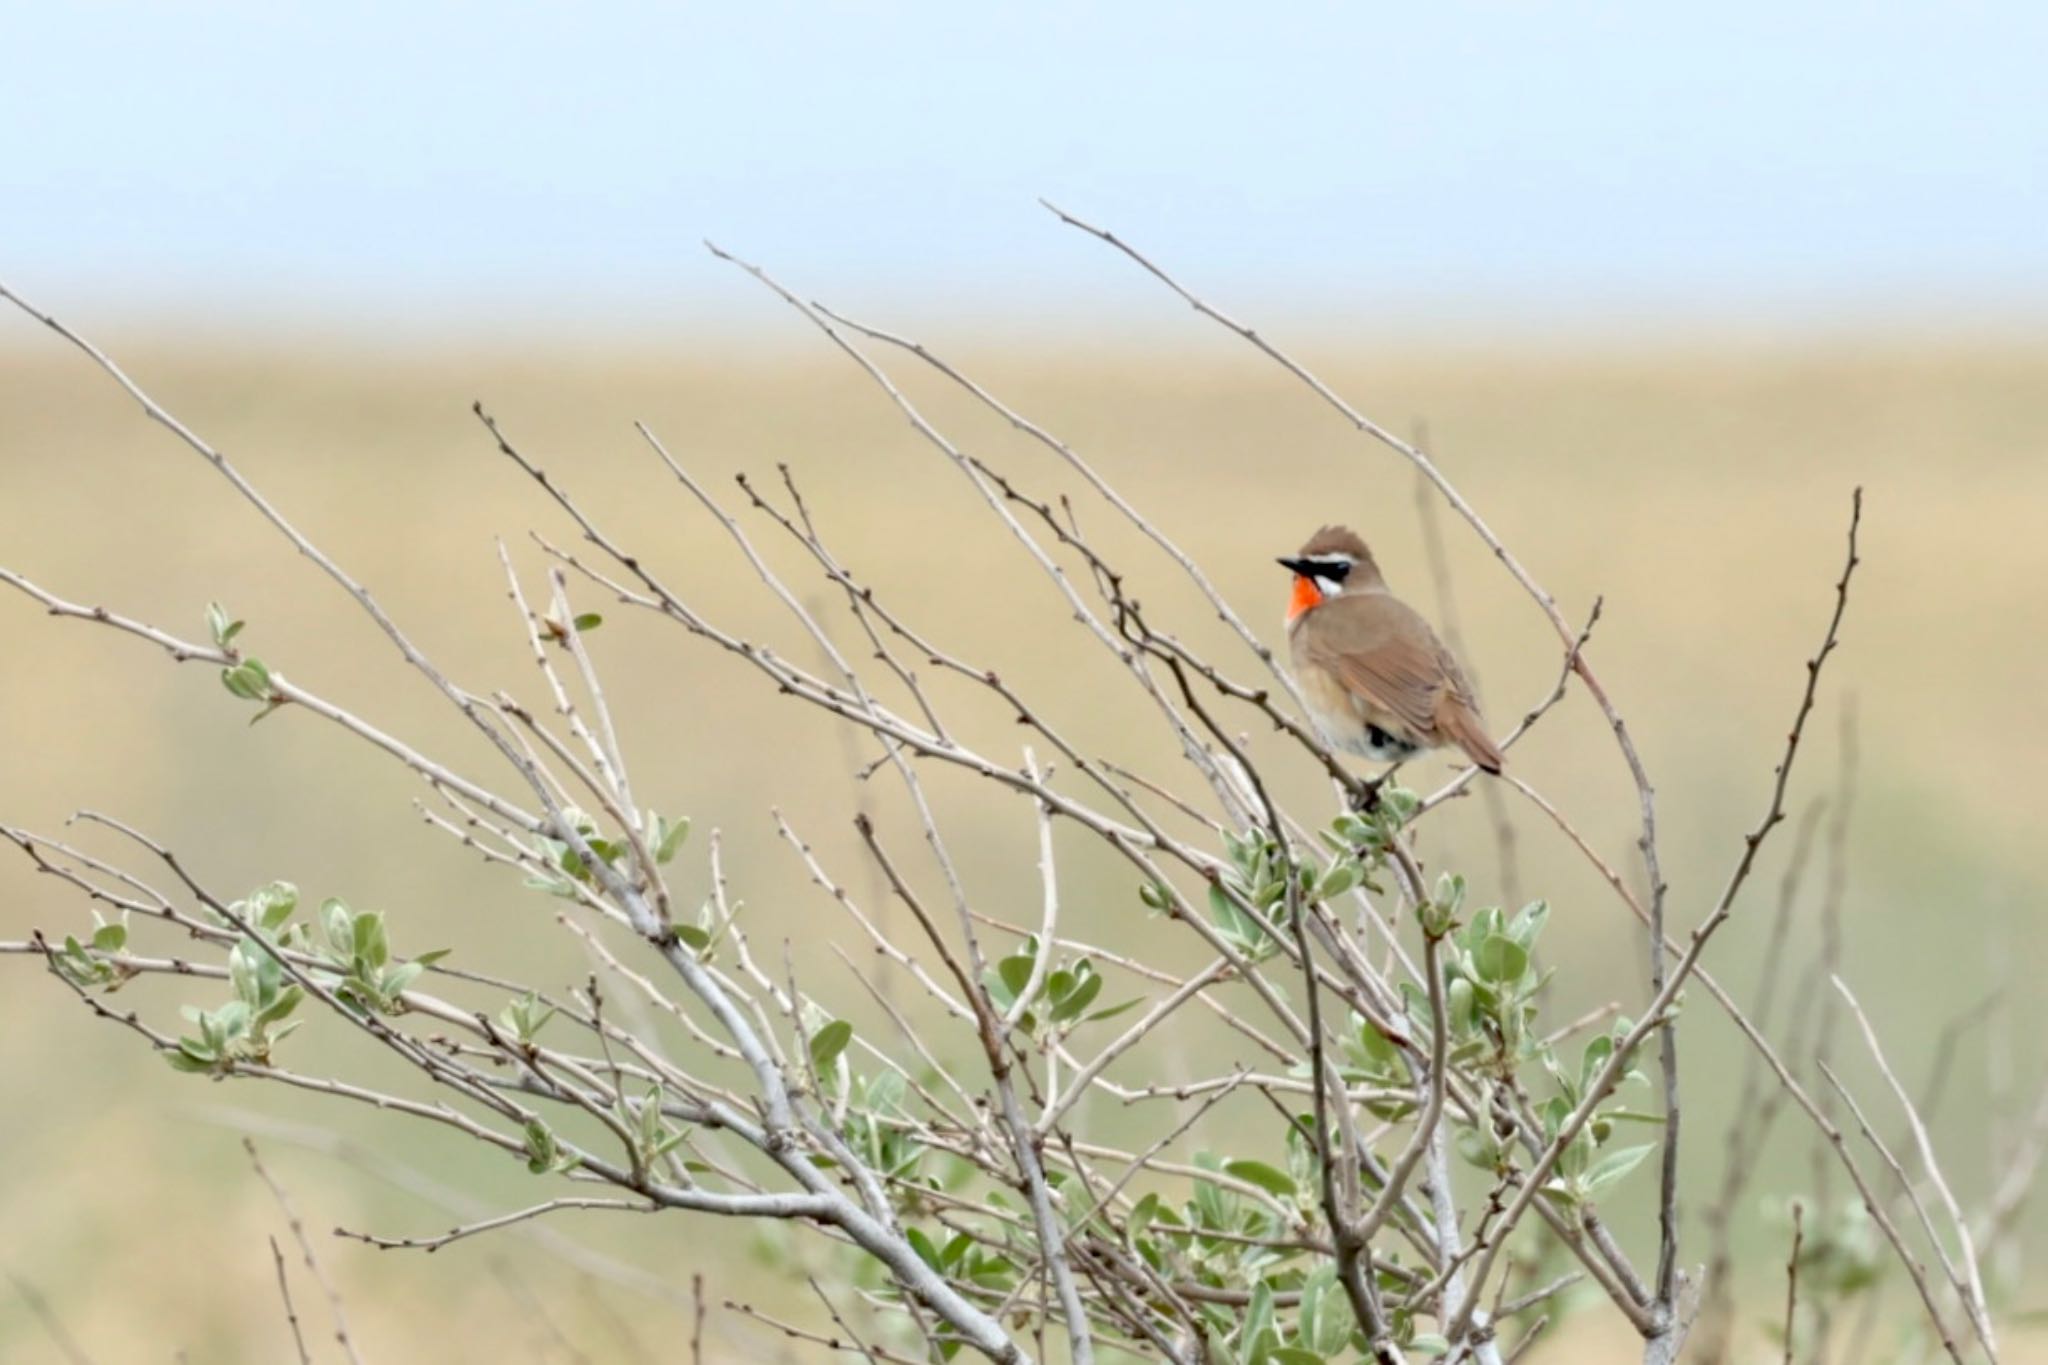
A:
(1448, 616)
(1792, 1277)
(60, 1336)
(291, 1313)
(456, 1234)
(697, 1319)
(335, 1307)
(1971, 1288)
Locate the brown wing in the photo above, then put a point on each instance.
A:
(1385, 652)
(1459, 721)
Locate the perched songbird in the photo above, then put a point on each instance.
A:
(1377, 680)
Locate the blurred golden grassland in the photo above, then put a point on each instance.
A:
(1702, 488)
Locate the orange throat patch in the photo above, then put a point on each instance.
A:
(1306, 596)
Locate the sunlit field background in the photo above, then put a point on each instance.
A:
(1700, 483)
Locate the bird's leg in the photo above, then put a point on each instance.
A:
(1365, 795)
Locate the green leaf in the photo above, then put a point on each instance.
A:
(242, 974)
(338, 923)
(1015, 971)
(1597, 1053)
(1430, 1344)
(886, 1092)
(271, 904)
(1629, 1116)
(524, 1018)
(828, 1042)
(650, 1118)
(249, 680)
(285, 1002)
(1476, 1148)
(1500, 959)
(1352, 830)
(231, 1020)
(588, 621)
(541, 1151)
(1308, 1313)
(1078, 999)
(1258, 1318)
(1379, 1049)
(368, 939)
(1459, 1003)
(1212, 1207)
(1267, 1178)
(1326, 1317)
(1555, 1111)
(1112, 1011)
(1528, 923)
(1450, 894)
(1293, 1355)
(926, 1252)
(694, 937)
(399, 978)
(110, 938)
(1482, 926)
(668, 838)
(1340, 877)
(1241, 928)
(1614, 1166)
(221, 626)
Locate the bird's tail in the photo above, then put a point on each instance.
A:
(1464, 727)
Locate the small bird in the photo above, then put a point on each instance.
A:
(1377, 680)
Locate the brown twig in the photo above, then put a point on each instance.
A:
(335, 1307)
(1792, 1277)
(1438, 558)
(697, 1319)
(60, 1336)
(291, 1313)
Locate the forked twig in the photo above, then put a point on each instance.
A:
(335, 1307)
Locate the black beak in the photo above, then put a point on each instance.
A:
(1300, 566)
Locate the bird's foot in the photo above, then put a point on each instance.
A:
(1365, 796)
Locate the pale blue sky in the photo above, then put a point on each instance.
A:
(487, 161)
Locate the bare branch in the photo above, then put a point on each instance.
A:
(1971, 1285)
(1792, 1278)
(60, 1336)
(298, 1231)
(291, 1314)
(456, 1234)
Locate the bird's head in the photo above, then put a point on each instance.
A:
(1333, 562)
